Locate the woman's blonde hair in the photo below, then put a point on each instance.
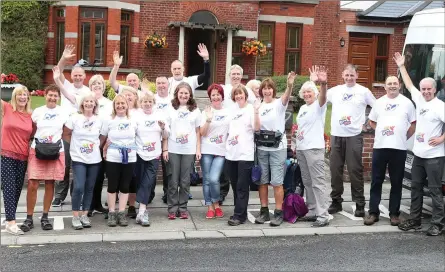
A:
(89, 96)
(17, 91)
(133, 91)
(147, 96)
(308, 85)
(94, 79)
(120, 96)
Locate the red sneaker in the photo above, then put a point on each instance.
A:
(210, 214)
(184, 215)
(172, 216)
(219, 213)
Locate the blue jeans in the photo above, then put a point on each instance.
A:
(146, 176)
(84, 179)
(212, 167)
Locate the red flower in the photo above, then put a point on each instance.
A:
(10, 79)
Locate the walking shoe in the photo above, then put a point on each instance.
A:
(235, 221)
(90, 213)
(171, 216)
(139, 218)
(190, 196)
(57, 202)
(308, 218)
(131, 212)
(410, 224)
(210, 214)
(184, 215)
(13, 229)
(335, 207)
(371, 219)
(277, 218)
(434, 230)
(76, 224)
(112, 220)
(100, 209)
(145, 219)
(263, 217)
(320, 223)
(27, 225)
(359, 211)
(122, 219)
(219, 213)
(395, 220)
(86, 223)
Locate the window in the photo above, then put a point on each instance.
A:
(125, 42)
(293, 48)
(60, 31)
(237, 53)
(264, 66)
(381, 58)
(92, 35)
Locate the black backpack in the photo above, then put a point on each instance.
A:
(293, 183)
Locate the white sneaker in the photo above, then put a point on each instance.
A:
(85, 221)
(13, 229)
(139, 218)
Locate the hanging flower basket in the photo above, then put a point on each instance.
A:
(254, 48)
(156, 41)
(8, 84)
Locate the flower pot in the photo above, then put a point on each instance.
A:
(7, 91)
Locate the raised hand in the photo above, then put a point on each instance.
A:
(257, 104)
(117, 59)
(68, 52)
(322, 74)
(202, 51)
(313, 73)
(56, 73)
(145, 85)
(399, 59)
(291, 78)
(209, 112)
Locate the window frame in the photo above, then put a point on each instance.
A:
(130, 25)
(240, 54)
(270, 50)
(93, 22)
(375, 40)
(293, 50)
(58, 20)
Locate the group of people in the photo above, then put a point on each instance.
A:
(129, 137)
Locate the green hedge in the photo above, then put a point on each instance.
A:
(281, 82)
(23, 40)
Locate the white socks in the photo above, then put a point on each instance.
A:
(142, 208)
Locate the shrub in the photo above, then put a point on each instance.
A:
(281, 82)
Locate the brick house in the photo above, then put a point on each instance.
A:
(298, 34)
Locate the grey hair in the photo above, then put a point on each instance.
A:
(350, 66)
(308, 85)
(252, 83)
(235, 66)
(429, 79)
(98, 78)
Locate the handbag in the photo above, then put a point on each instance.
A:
(48, 151)
(268, 138)
(256, 169)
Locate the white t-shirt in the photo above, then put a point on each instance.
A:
(183, 124)
(239, 145)
(121, 131)
(215, 141)
(163, 104)
(311, 121)
(148, 136)
(430, 122)
(105, 107)
(393, 118)
(173, 83)
(77, 92)
(348, 109)
(49, 124)
(85, 143)
(228, 103)
(272, 117)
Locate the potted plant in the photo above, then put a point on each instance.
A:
(156, 41)
(254, 48)
(8, 83)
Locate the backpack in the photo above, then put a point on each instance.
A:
(195, 179)
(293, 183)
(294, 207)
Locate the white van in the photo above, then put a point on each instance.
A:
(424, 53)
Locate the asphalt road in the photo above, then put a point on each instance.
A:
(357, 252)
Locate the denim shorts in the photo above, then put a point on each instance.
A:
(273, 166)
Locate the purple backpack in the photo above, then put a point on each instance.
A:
(293, 207)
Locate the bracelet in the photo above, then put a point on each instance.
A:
(209, 120)
(164, 150)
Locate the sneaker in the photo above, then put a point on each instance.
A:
(13, 229)
(410, 224)
(235, 221)
(145, 219)
(100, 209)
(335, 207)
(86, 223)
(219, 213)
(184, 215)
(27, 225)
(171, 216)
(190, 196)
(278, 218)
(112, 220)
(122, 219)
(76, 224)
(131, 212)
(359, 211)
(395, 220)
(263, 217)
(371, 219)
(57, 202)
(320, 223)
(139, 218)
(210, 214)
(90, 214)
(308, 218)
(434, 230)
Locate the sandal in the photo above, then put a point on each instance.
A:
(27, 225)
(46, 225)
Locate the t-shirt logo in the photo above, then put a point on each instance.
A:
(217, 139)
(123, 126)
(86, 148)
(49, 116)
(183, 114)
(162, 106)
(345, 120)
(391, 107)
(88, 124)
(388, 130)
(46, 139)
(233, 140)
(182, 138)
(149, 123)
(302, 114)
(149, 146)
(347, 97)
(300, 135)
(238, 116)
(423, 111)
(265, 112)
(420, 137)
(220, 117)
(101, 106)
